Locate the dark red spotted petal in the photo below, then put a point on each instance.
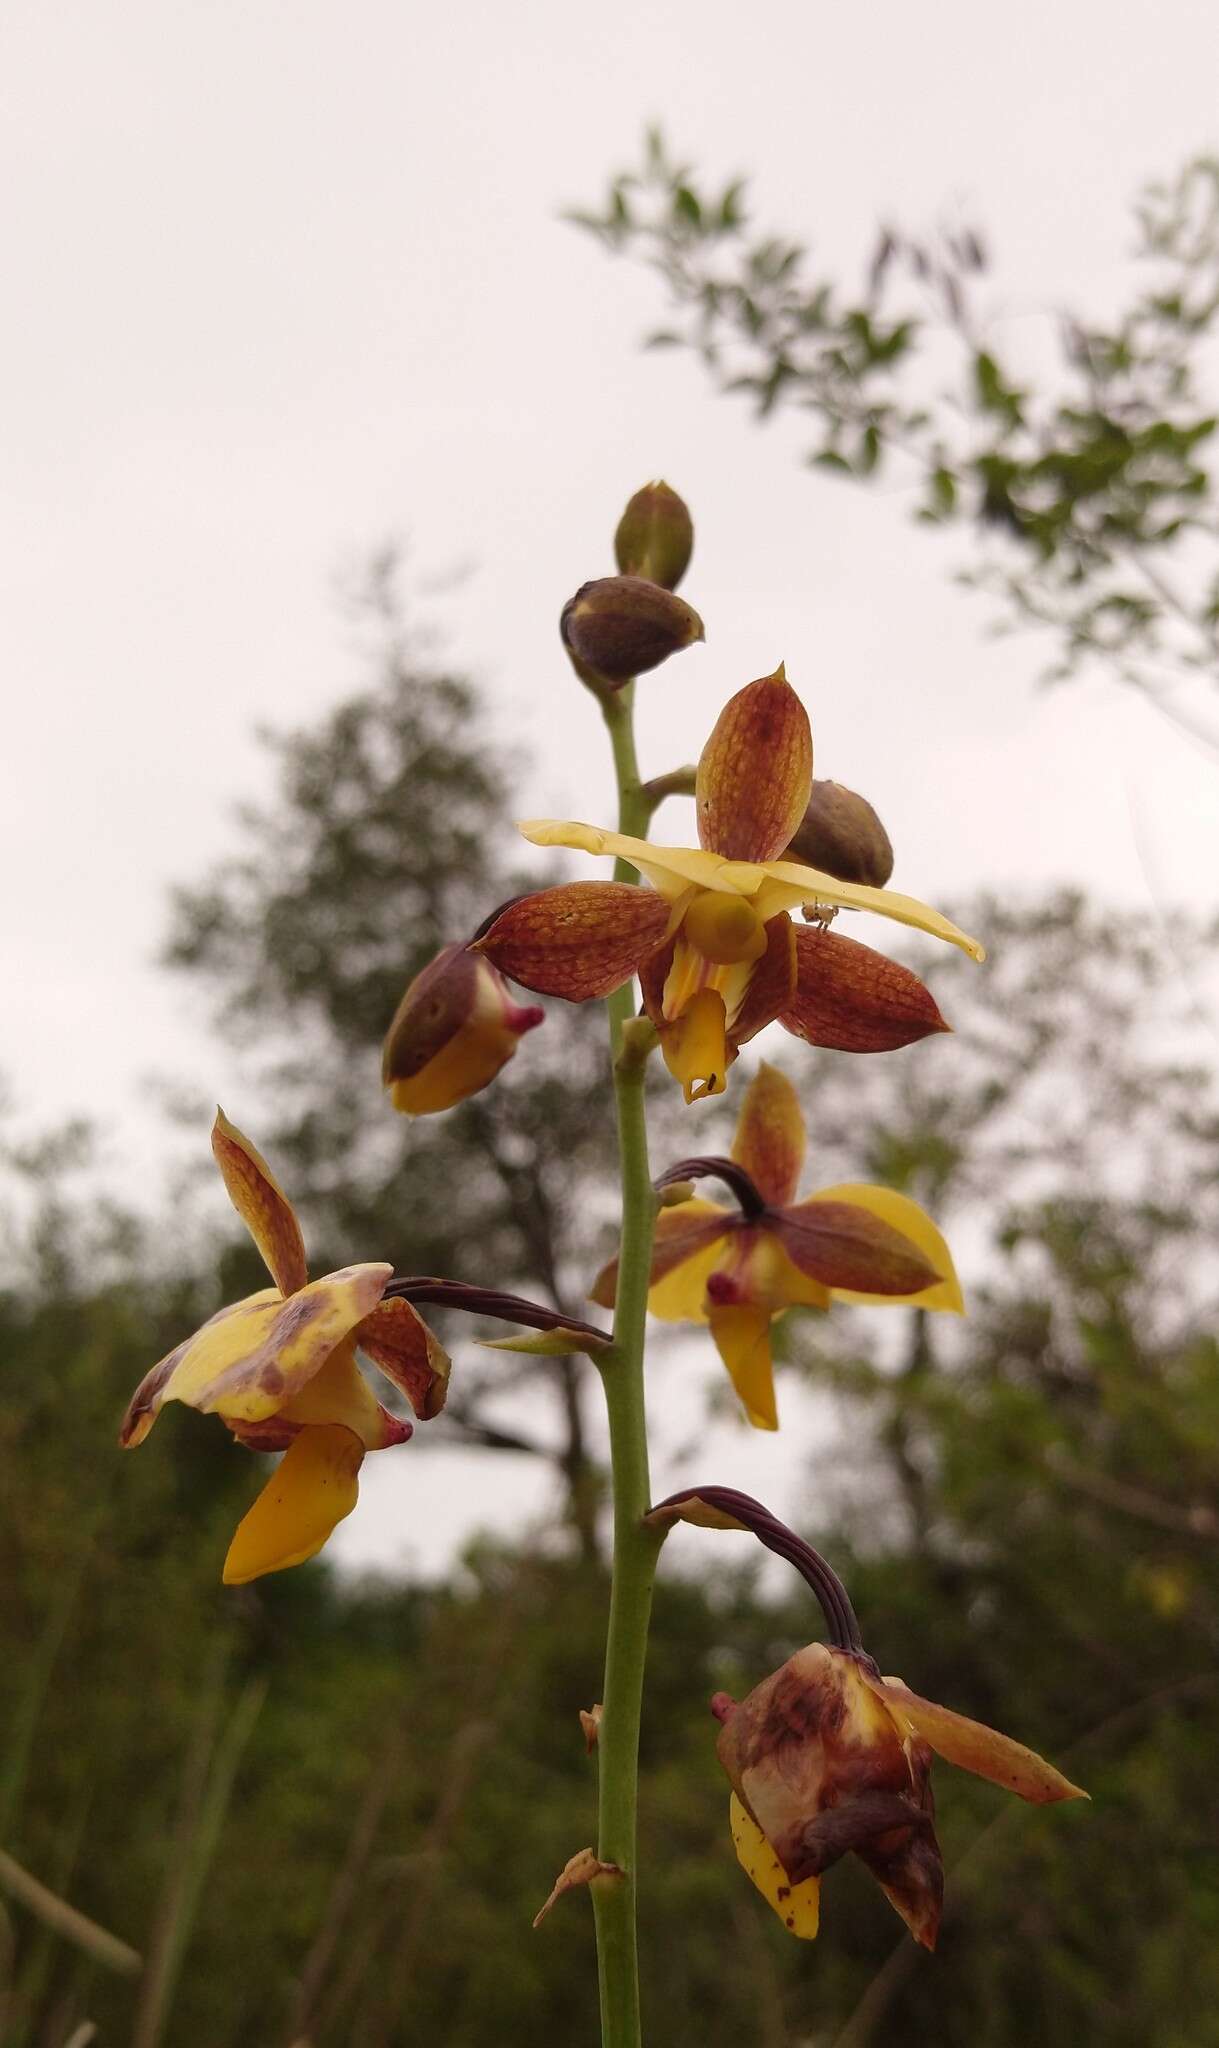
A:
(755, 773)
(854, 1000)
(579, 941)
(771, 985)
(845, 1246)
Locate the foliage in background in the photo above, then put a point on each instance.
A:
(327, 1812)
(1088, 483)
(1036, 1537)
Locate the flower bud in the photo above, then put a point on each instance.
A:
(621, 626)
(655, 536)
(454, 1029)
(841, 834)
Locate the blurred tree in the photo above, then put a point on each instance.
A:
(1088, 483)
(1026, 1512)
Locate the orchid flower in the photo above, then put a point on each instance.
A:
(279, 1368)
(711, 939)
(826, 1756)
(737, 1269)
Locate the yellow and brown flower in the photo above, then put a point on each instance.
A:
(455, 1027)
(736, 1269)
(280, 1370)
(711, 939)
(826, 1756)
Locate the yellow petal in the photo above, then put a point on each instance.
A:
(262, 1205)
(742, 1338)
(681, 1295)
(310, 1491)
(670, 869)
(340, 1393)
(695, 1045)
(471, 1059)
(904, 1215)
(687, 1243)
(773, 885)
(788, 883)
(797, 1905)
(251, 1358)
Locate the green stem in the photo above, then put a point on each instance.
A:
(635, 1546)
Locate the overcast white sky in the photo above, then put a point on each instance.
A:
(285, 279)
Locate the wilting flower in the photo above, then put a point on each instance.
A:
(455, 1027)
(737, 1269)
(826, 1756)
(279, 1368)
(711, 940)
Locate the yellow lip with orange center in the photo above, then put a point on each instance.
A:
(719, 941)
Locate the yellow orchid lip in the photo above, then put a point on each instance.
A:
(772, 886)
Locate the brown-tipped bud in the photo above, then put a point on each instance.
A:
(841, 834)
(454, 1029)
(621, 626)
(655, 536)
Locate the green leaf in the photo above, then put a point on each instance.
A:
(732, 213)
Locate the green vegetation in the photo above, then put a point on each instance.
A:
(1086, 479)
(326, 1812)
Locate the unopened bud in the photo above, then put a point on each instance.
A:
(454, 1029)
(655, 536)
(841, 834)
(621, 626)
